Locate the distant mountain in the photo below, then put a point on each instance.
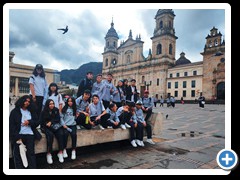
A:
(76, 75)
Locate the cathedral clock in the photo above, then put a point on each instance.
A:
(114, 62)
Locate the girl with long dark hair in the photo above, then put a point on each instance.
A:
(68, 120)
(49, 117)
(23, 121)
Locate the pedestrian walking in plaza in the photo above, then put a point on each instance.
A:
(161, 102)
(201, 101)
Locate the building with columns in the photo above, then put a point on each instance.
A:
(160, 72)
(19, 76)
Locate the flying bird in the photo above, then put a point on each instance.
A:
(64, 30)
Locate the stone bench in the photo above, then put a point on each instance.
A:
(97, 136)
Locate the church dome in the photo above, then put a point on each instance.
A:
(182, 60)
(164, 11)
(112, 32)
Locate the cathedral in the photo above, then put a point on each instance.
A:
(160, 72)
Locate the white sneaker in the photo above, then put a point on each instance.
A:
(150, 141)
(73, 154)
(142, 143)
(138, 142)
(109, 127)
(123, 126)
(65, 155)
(127, 125)
(49, 159)
(133, 143)
(60, 157)
(78, 127)
(100, 126)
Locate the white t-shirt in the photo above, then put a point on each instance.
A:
(26, 115)
(57, 99)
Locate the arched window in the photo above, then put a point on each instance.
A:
(210, 43)
(221, 90)
(170, 48)
(108, 44)
(159, 49)
(106, 62)
(215, 42)
(114, 44)
(170, 24)
(143, 79)
(161, 24)
(128, 58)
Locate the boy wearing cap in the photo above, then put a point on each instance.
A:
(38, 87)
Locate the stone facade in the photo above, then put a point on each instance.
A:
(187, 78)
(126, 61)
(19, 76)
(214, 65)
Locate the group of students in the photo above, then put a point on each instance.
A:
(99, 104)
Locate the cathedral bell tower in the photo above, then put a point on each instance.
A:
(110, 54)
(164, 39)
(214, 66)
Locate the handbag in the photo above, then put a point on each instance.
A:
(56, 126)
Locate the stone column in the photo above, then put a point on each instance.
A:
(16, 90)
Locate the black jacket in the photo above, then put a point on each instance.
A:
(84, 85)
(46, 117)
(15, 125)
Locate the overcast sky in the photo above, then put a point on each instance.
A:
(34, 38)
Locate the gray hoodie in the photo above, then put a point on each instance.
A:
(68, 118)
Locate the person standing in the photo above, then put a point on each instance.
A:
(155, 100)
(201, 101)
(98, 87)
(182, 101)
(133, 91)
(38, 87)
(23, 121)
(161, 101)
(147, 106)
(172, 101)
(118, 97)
(127, 90)
(109, 89)
(85, 84)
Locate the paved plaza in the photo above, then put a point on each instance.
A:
(191, 139)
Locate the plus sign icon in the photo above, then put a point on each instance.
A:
(227, 159)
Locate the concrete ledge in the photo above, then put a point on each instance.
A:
(97, 136)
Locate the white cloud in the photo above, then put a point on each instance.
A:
(34, 36)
